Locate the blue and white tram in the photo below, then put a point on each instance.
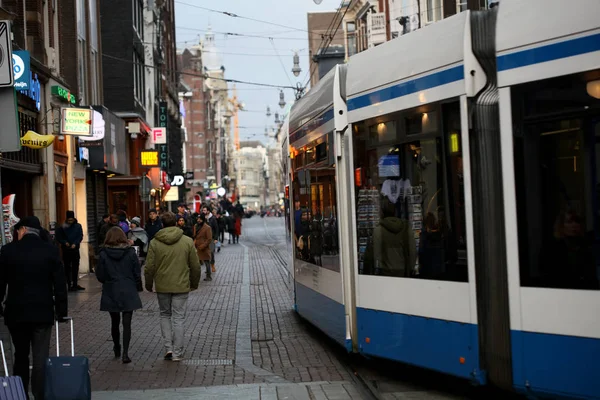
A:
(319, 295)
(415, 286)
(460, 164)
(549, 91)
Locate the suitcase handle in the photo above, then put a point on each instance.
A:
(4, 358)
(72, 338)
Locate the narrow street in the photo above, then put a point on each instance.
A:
(243, 338)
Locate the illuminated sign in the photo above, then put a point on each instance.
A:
(21, 65)
(163, 149)
(36, 141)
(76, 121)
(64, 94)
(454, 143)
(159, 135)
(149, 158)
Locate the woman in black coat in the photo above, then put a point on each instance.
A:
(120, 274)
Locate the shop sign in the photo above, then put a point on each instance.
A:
(163, 149)
(6, 72)
(189, 176)
(221, 192)
(76, 121)
(8, 216)
(149, 158)
(178, 180)
(159, 135)
(98, 130)
(21, 69)
(64, 94)
(9, 123)
(34, 140)
(34, 91)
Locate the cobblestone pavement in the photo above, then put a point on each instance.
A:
(242, 339)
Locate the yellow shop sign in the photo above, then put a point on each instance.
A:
(77, 121)
(36, 141)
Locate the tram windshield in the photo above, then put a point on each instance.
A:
(557, 172)
(410, 196)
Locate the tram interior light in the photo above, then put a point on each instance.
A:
(593, 89)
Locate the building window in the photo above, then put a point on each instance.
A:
(138, 17)
(351, 31)
(139, 78)
(82, 50)
(434, 10)
(210, 155)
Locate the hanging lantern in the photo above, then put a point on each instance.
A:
(296, 69)
(276, 117)
(281, 100)
(268, 111)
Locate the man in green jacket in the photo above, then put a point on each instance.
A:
(172, 266)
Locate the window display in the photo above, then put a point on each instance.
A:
(410, 196)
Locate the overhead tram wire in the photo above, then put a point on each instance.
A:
(314, 68)
(331, 40)
(236, 34)
(323, 38)
(233, 15)
(202, 75)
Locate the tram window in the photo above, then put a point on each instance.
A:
(315, 211)
(410, 198)
(557, 172)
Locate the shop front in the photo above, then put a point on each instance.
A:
(22, 171)
(106, 156)
(126, 192)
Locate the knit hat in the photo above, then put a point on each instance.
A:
(31, 222)
(136, 220)
(70, 214)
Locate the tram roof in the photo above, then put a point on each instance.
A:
(433, 47)
(314, 103)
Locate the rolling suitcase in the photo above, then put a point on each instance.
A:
(67, 378)
(11, 387)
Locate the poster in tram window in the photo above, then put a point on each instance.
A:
(9, 217)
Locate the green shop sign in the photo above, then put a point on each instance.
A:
(64, 94)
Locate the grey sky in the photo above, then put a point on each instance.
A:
(262, 65)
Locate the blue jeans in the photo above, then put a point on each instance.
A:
(172, 316)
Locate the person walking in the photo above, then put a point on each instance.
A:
(119, 272)
(222, 224)
(202, 240)
(214, 226)
(113, 220)
(173, 269)
(154, 224)
(31, 270)
(138, 236)
(183, 225)
(70, 236)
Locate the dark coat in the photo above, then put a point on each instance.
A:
(214, 226)
(152, 228)
(120, 274)
(202, 241)
(103, 231)
(34, 274)
(71, 234)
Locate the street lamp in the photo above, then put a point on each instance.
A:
(296, 69)
(268, 111)
(281, 100)
(276, 117)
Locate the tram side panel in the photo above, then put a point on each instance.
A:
(550, 124)
(318, 279)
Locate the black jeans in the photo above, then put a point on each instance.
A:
(222, 235)
(115, 319)
(36, 337)
(71, 260)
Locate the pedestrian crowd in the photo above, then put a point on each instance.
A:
(37, 271)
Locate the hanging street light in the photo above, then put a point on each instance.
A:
(296, 69)
(281, 100)
(268, 111)
(276, 117)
